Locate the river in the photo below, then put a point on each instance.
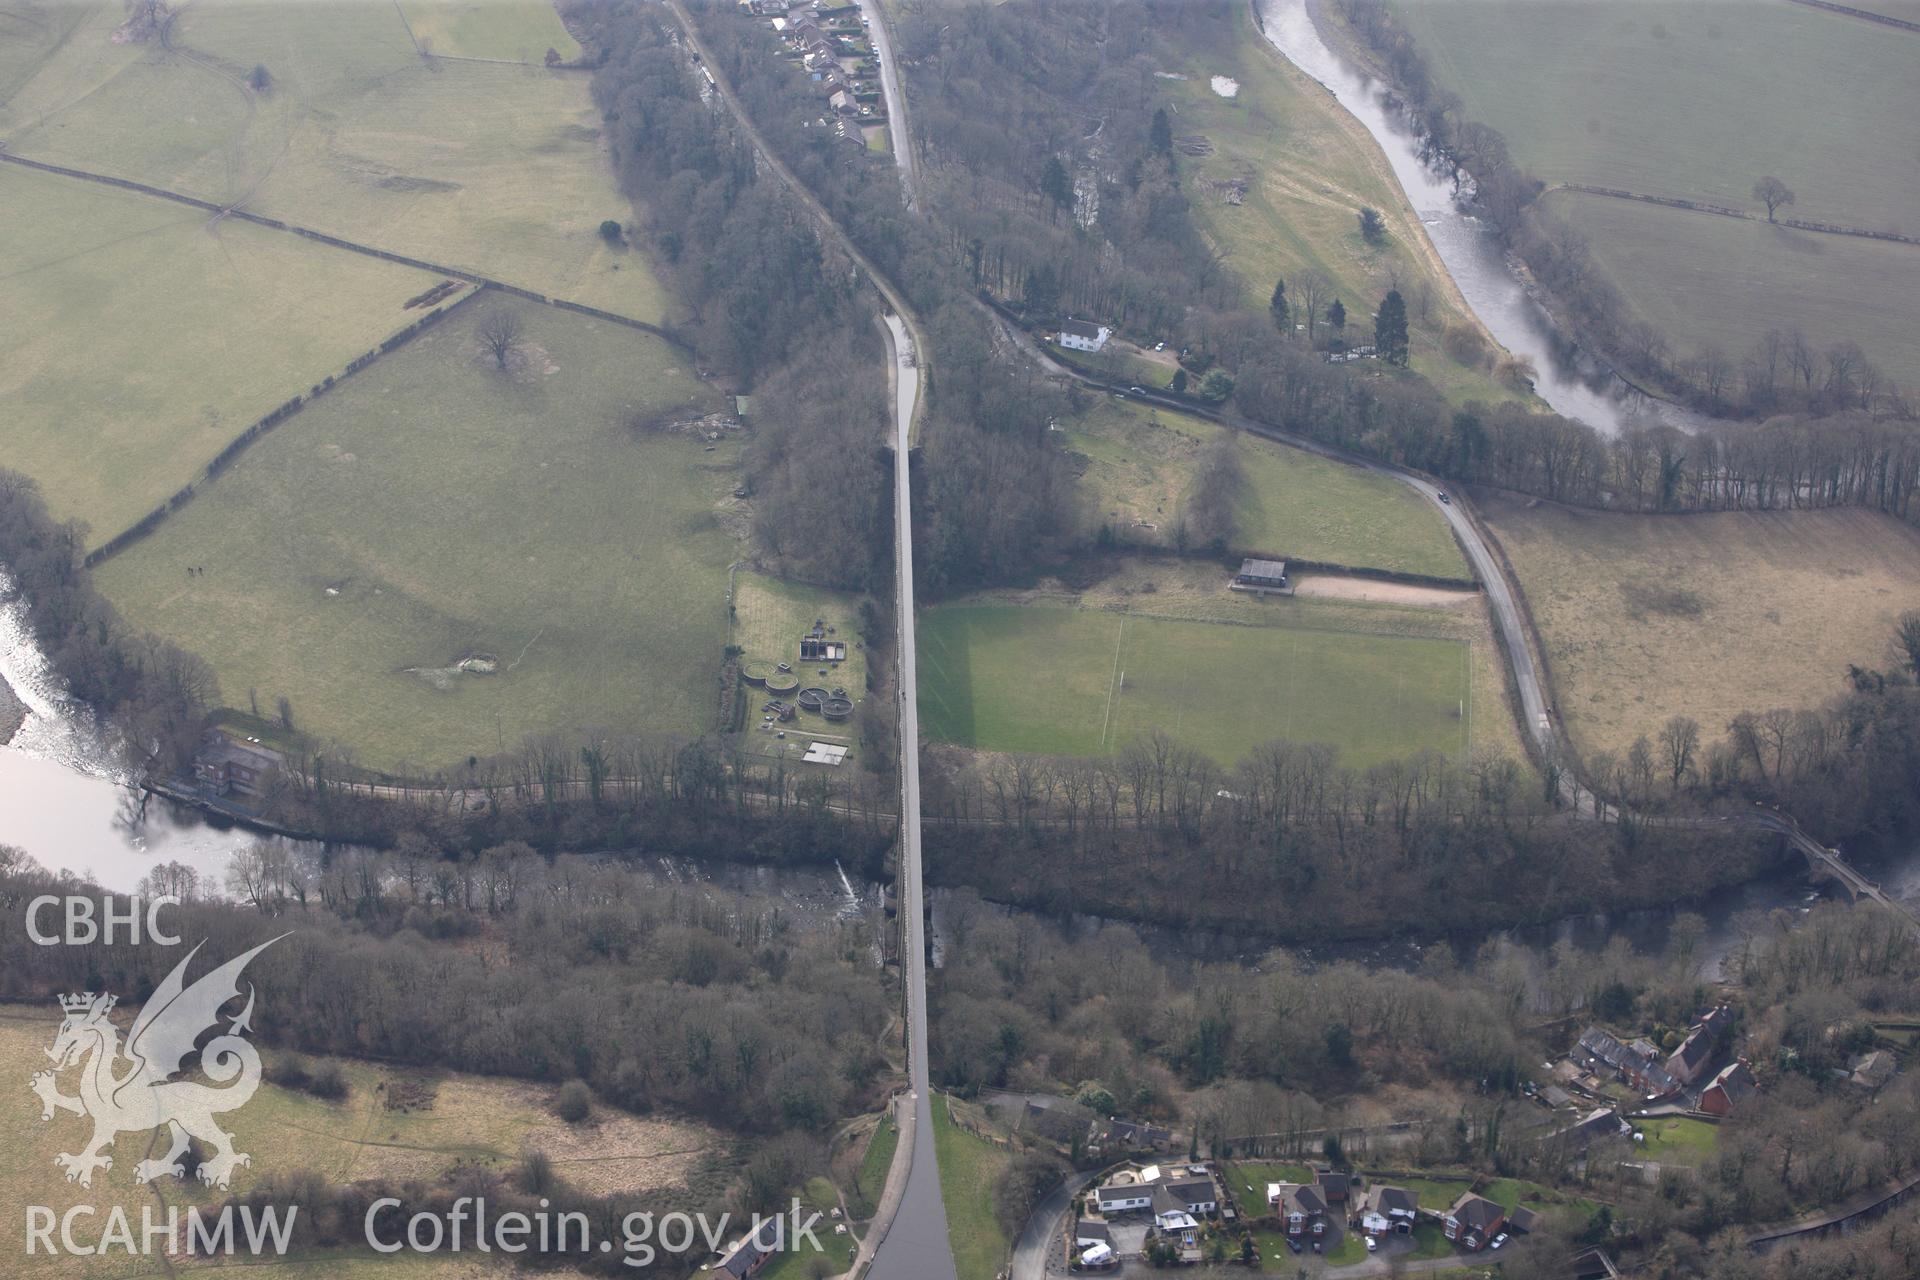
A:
(1573, 385)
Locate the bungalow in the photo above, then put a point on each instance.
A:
(1874, 1070)
(1733, 1086)
(1299, 1206)
(1078, 335)
(1601, 1122)
(1388, 1209)
(1125, 1135)
(1170, 1213)
(1123, 1197)
(1472, 1221)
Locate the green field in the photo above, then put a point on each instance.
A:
(1691, 100)
(801, 1261)
(1139, 468)
(489, 29)
(1308, 167)
(875, 1161)
(1699, 101)
(137, 341)
(1707, 280)
(433, 509)
(496, 169)
(1067, 681)
(970, 1169)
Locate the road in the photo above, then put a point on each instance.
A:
(1035, 1245)
(898, 131)
(914, 1245)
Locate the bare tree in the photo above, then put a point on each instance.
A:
(1314, 289)
(1773, 193)
(501, 332)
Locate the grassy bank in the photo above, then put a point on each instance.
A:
(1138, 470)
(970, 1169)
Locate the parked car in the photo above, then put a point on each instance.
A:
(1373, 1244)
(1292, 1243)
(1498, 1240)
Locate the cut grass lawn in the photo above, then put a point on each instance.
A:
(470, 1119)
(1707, 615)
(489, 29)
(771, 615)
(137, 341)
(970, 1170)
(1248, 1180)
(1072, 681)
(1139, 469)
(433, 509)
(1308, 168)
(496, 169)
(1725, 282)
(1678, 1139)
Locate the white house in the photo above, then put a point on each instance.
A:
(1078, 335)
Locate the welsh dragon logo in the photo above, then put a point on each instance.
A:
(145, 1095)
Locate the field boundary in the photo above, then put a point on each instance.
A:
(1884, 20)
(666, 335)
(148, 523)
(1725, 211)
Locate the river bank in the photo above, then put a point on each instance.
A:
(1573, 381)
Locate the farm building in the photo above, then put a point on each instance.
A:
(1078, 335)
(1265, 576)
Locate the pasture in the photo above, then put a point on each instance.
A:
(1708, 280)
(137, 340)
(456, 1119)
(1708, 615)
(1691, 100)
(1138, 469)
(501, 29)
(493, 168)
(1076, 681)
(439, 557)
(1302, 169)
(1698, 102)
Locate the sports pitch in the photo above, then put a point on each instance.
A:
(1070, 681)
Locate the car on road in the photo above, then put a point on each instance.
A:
(1442, 495)
(1139, 391)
